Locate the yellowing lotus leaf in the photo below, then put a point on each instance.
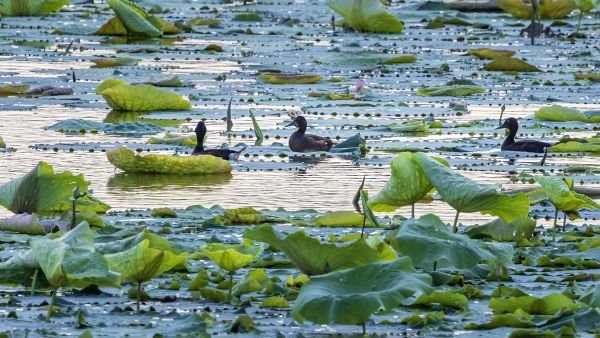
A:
(549, 9)
(367, 16)
(126, 160)
(109, 83)
(232, 257)
(486, 53)
(455, 90)
(289, 78)
(510, 64)
(143, 97)
(341, 218)
(400, 59)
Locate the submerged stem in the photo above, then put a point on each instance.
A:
(455, 227)
(434, 265)
(412, 210)
(554, 227)
(33, 282)
(139, 292)
(230, 286)
(579, 21)
(52, 302)
(364, 328)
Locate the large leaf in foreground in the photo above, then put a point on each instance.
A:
(311, 256)
(367, 16)
(70, 260)
(41, 191)
(351, 296)
(407, 184)
(428, 241)
(562, 196)
(465, 195)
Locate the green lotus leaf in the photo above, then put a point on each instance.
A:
(510, 64)
(573, 146)
(71, 260)
(465, 195)
(11, 89)
(248, 215)
(113, 62)
(109, 83)
(532, 333)
(548, 9)
(200, 281)
(592, 296)
(91, 217)
(587, 76)
(155, 241)
(203, 22)
(486, 53)
(130, 162)
(386, 252)
(141, 97)
(2, 144)
(400, 59)
(170, 138)
(564, 114)
(214, 294)
(547, 305)
(142, 263)
(332, 96)
(351, 296)
(232, 257)
(353, 144)
(30, 7)
(413, 126)
(274, 302)
(289, 78)
(426, 319)
(311, 256)
(367, 16)
(407, 184)
(563, 197)
(444, 248)
(255, 280)
(134, 19)
(248, 17)
(585, 5)
(450, 298)
(500, 231)
(519, 319)
(41, 191)
(340, 219)
(454, 90)
(20, 269)
(257, 131)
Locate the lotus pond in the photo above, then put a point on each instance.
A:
(446, 236)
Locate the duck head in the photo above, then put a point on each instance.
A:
(200, 128)
(511, 123)
(299, 122)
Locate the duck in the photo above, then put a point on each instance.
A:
(530, 146)
(301, 142)
(226, 154)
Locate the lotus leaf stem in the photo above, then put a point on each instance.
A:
(230, 286)
(52, 302)
(455, 227)
(138, 295)
(579, 21)
(412, 210)
(554, 227)
(362, 231)
(33, 282)
(534, 15)
(364, 328)
(564, 220)
(434, 265)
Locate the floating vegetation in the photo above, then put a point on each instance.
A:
(367, 16)
(283, 78)
(510, 64)
(548, 9)
(142, 97)
(454, 90)
(486, 53)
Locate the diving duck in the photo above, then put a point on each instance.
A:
(302, 142)
(226, 154)
(525, 145)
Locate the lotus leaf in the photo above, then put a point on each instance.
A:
(232, 257)
(407, 184)
(20, 269)
(131, 20)
(91, 217)
(564, 114)
(455, 90)
(143, 97)
(562, 196)
(592, 297)
(311, 256)
(274, 302)
(547, 305)
(367, 16)
(450, 298)
(170, 138)
(412, 126)
(248, 215)
(289, 78)
(400, 59)
(10, 89)
(109, 83)
(443, 247)
(340, 219)
(71, 260)
(587, 76)
(124, 128)
(486, 53)
(254, 281)
(573, 146)
(257, 131)
(353, 144)
(332, 96)
(465, 195)
(351, 296)
(130, 162)
(23, 223)
(163, 212)
(113, 62)
(41, 191)
(30, 7)
(203, 22)
(2, 144)
(426, 319)
(548, 9)
(519, 319)
(500, 231)
(247, 17)
(510, 64)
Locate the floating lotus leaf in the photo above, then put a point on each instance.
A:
(426, 319)
(30, 7)
(130, 162)
(407, 184)
(254, 17)
(351, 296)
(547, 305)
(587, 76)
(520, 319)
(509, 64)
(255, 280)
(203, 22)
(232, 257)
(163, 212)
(412, 126)
(367, 16)
(274, 302)
(340, 219)
(549, 9)
(564, 114)
(450, 298)
(311, 256)
(24, 224)
(2, 144)
(10, 89)
(141, 97)
(332, 96)
(400, 59)
(289, 78)
(444, 248)
(353, 144)
(465, 195)
(113, 62)
(170, 138)
(248, 215)
(455, 90)
(575, 147)
(486, 53)
(41, 191)
(108, 83)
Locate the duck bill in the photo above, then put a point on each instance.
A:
(502, 126)
(293, 123)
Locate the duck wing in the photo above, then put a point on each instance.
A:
(318, 142)
(532, 146)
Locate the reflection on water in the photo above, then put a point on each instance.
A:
(158, 182)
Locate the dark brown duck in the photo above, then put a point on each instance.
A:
(302, 142)
(510, 144)
(226, 154)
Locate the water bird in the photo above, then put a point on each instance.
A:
(302, 142)
(510, 144)
(226, 154)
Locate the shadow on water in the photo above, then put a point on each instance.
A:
(159, 182)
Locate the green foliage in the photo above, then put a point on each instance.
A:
(232, 257)
(248, 17)
(500, 231)
(130, 162)
(520, 319)
(450, 298)
(340, 219)
(13, 89)
(575, 147)
(487, 53)
(400, 59)
(455, 90)
(163, 212)
(510, 64)
(254, 281)
(562, 196)
(141, 97)
(133, 21)
(311, 256)
(547, 305)
(552, 9)
(113, 62)
(366, 16)
(289, 78)
(274, 302)
(564, 114)
(41, 191)
(30, 7)
(426, 319)
(411, 126)
(257, 131)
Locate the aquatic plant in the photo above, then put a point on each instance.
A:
(289, 78)
(122, 96)
(367, 16)
(487, 53)
(510, 64)
(455, 90)
(563, 114)
(549, 9)
(30, 7)
(132, 20)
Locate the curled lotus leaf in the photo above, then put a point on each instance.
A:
(367, 16)
(549, 9)
(232, 257)
(510, 64)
